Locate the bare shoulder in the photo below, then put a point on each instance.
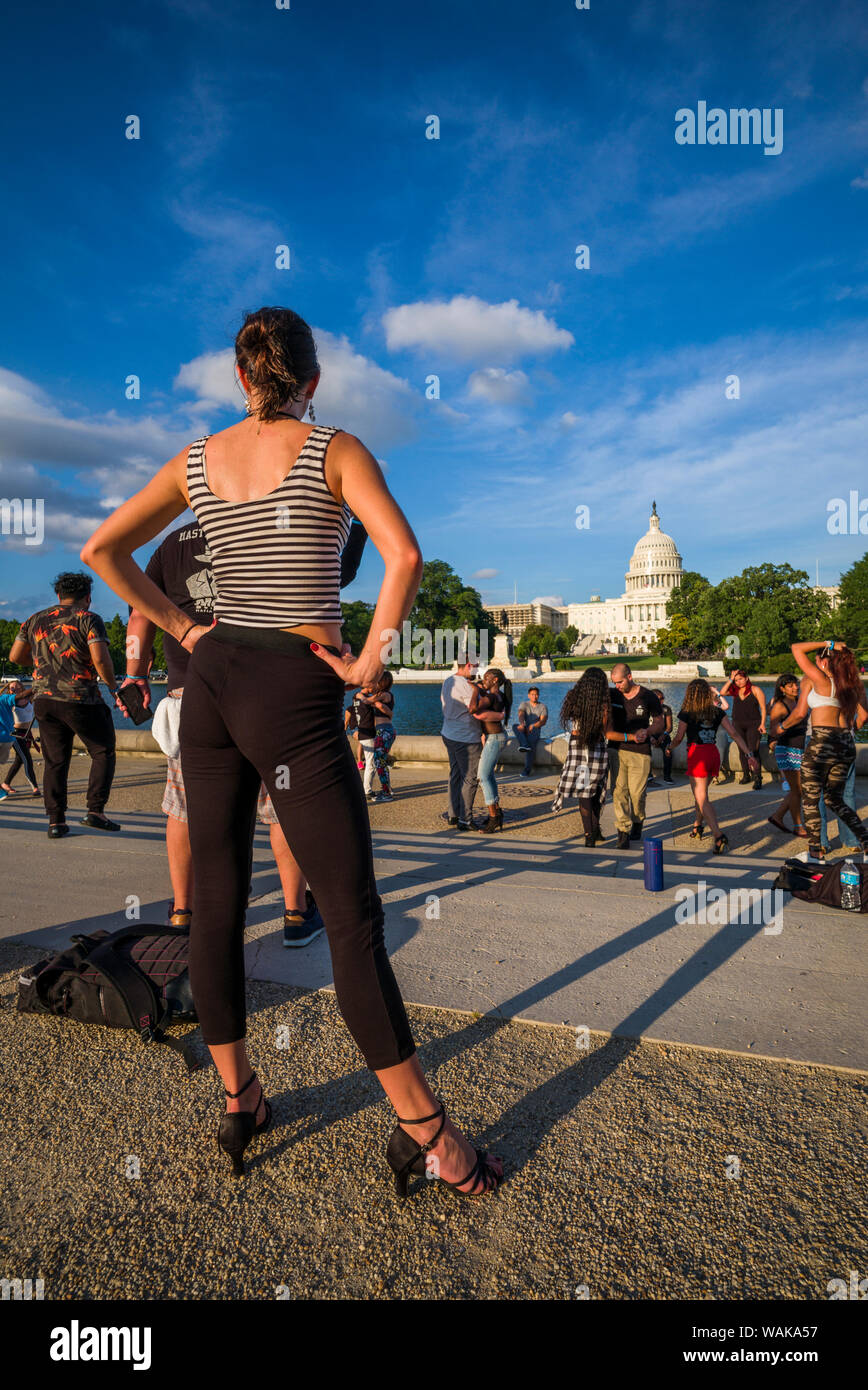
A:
(348, 449)
(348, 456)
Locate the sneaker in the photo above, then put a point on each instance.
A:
(98, 822)
(467, 825)
(58, 830)
(652, 782)
(524, 774)
(385, 796)
(4, 796)
(301, 928)
(624, 840)
(807, 858)
(450, 820)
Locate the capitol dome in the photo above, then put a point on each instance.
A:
(655, 563)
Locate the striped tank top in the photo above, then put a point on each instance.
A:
(277, 559)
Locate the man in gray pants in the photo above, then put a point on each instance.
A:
(462, 735)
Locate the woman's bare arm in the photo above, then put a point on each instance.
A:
(353, 474)
(801, 708)
(110, 549)
(800, 652)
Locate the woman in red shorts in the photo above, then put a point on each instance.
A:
(699, 720)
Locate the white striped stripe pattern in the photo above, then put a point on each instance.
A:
(276, 560)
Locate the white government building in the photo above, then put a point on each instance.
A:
(628, 623)
(632, 620)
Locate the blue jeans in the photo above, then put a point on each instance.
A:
(490, 754)
(527, 742)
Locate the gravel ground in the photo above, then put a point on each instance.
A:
(616, 1161)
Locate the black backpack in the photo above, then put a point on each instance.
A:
(133, 978)
(819, 883)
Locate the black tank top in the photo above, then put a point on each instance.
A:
(746, 711)
(794, 737)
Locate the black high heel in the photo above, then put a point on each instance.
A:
(404, 1156)
(237, 1130)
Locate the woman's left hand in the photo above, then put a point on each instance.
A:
(353, 671)
(192, 637)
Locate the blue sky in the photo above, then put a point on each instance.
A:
(453, 257)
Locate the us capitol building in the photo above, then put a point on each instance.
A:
(628, 623)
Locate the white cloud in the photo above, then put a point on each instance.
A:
(552, 600)
(861, 180)
(467, 328)
(485, 574)
(354, 393)
(498, 386)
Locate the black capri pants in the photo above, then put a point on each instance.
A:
(259, 705)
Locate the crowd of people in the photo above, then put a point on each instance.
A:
(254, 724)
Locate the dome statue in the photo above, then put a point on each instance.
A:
(655, 563)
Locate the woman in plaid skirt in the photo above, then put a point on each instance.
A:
(587, 712)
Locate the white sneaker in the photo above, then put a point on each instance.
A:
(807, 858)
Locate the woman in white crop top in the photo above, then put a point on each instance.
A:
(263, 701)
(834, 695)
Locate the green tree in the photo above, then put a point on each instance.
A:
(851, 618)
(671, 640)
(567, 639)
(683, 600)
(116, 631)
(8, 632)
(159, 652)
(357, 617)
(445, 601)
(536, 640)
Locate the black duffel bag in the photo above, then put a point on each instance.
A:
(819, 883)
(133, 978)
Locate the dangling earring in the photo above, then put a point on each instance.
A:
(248, 408)
(311, 415)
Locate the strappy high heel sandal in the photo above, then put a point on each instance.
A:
(237, 1130)
(698, 830)
(404, 1156)
(721, 844)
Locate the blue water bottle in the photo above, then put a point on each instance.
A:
(653, 851)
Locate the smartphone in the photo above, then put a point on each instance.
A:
(133, 701)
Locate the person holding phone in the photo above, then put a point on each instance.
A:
(67, 646)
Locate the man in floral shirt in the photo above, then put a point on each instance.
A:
(67, 647)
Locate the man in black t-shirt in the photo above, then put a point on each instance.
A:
(181, 569)
(637, 717)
